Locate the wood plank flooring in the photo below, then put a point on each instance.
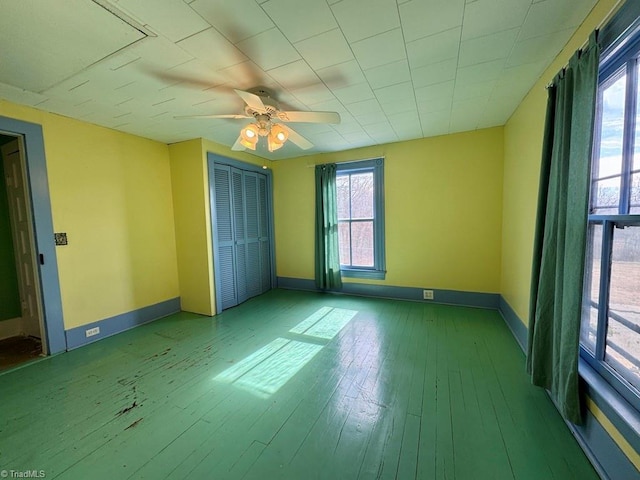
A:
(364, 389)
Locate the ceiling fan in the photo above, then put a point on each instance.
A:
(268, 121)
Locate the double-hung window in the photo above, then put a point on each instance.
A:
(360, 192)
(610, 331)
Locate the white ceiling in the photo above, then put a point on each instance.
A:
(393, 69)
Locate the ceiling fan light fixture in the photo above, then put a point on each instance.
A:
(277, 136)
(249, 136)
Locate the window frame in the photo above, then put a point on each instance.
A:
(622, 58)
(375, 165)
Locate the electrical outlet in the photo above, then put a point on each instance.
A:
(427, 294)
(92, 331)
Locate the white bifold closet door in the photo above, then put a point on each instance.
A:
(242, 243)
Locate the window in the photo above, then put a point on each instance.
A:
(610, 331)
(360, 191)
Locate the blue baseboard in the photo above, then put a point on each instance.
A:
(514, 323)
(449, 297)
(604, 454)
(76, 337)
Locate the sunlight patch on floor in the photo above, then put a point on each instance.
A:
(265, 371)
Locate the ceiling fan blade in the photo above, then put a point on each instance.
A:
(231, 115)
(310, 117)
(296, 138)
(253, 100)
(237, 146)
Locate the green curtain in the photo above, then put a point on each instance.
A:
(327, 255)
(560, 237)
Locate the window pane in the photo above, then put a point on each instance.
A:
(609, 161)
(362, 243)
(362, 195)
(591, 293)
(342, 191)
(607, 196)
(623, 337)
(344, 239)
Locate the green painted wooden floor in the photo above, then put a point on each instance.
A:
(404, 390)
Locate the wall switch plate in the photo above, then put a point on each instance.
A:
(92, 331)
(427, 294)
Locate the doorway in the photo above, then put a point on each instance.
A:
(21, 328)
(31, 302)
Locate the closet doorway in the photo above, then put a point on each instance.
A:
(241, 210)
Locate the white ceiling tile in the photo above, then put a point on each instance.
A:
(366, 107)
(466, 115)
(433, 92)
(496, 112)
(549, 16)
(294, 75)
(435, 123)
(395, 93)
(246, 75)
(312, 94)
(380, 49)
(406, 124)
(36, 53)
(434, 73)
(237, 20)
(480, 72)
(389, 74)
(223, 55)
(359, 21)
(486, 17)
(348, 127)
(381, 132)
(289, 15)
(421, 19)
(399, 106)
(536, 49)
(269, 49)
(434, 49)
(358, 139)
(487, 48)
(158, 53)
(172, 19)
(342, 75)
(437, 104)
(324, 50)
(20, 96)
(354, 93)
(467, 91)
(197, 73)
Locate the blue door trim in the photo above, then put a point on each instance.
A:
(43, 229)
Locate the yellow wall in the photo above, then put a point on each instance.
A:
(111, 193)
(443, 202)
(189, 176)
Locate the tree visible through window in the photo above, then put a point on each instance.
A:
(360, 218)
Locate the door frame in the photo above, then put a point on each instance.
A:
(215, 159)
(36, 174)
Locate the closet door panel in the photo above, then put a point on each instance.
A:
(239, 232)
(254, 279)
(224, 224)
